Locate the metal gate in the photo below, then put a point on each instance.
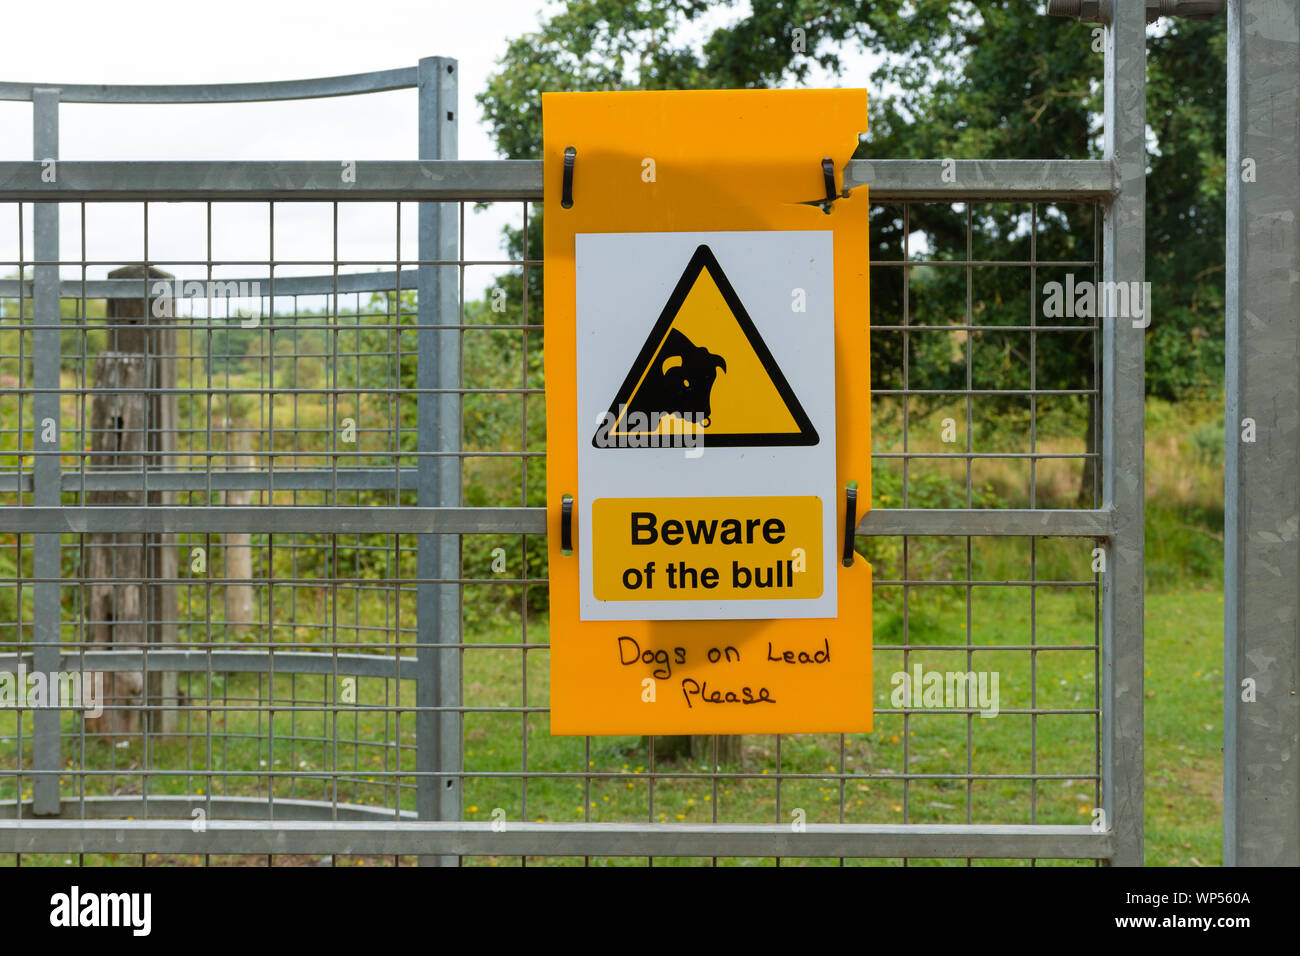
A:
(336, 662)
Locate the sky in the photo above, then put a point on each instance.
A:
(240, 41)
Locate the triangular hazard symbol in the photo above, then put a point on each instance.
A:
(705, 371)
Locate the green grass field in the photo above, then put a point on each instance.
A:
(1183, 759)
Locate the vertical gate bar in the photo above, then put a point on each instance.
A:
(1122, 400)
(45, 465)
(1261, 776)
(438, 733)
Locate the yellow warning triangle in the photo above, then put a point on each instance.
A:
(704, 370)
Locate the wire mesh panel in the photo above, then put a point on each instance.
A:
(240, 446)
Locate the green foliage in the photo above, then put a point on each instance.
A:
(1184, 548)
(1207, 440)
(227, 348)
(509, 426)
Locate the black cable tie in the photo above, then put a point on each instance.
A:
(566, 194)
(566, 524)
(828, 171)
(850, 523)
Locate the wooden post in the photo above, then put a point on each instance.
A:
(237, 552)
(699, 748)
(134, 576)
(731, 749)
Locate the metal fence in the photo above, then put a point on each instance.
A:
(347, 656)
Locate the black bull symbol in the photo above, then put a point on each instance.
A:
(679, 381)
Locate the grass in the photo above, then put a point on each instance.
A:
(609, 778)
(1184, 729)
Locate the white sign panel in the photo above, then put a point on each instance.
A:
(706, 382)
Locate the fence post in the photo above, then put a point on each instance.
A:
(47, 609)
(438, 732)
(237, 552)
(1123, 398)
(1261, 712)
(133, 428)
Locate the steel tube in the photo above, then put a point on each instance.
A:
(1122, 405)
(554, 839)
(512, 180)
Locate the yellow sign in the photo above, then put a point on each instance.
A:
(704, 370)
(707, 400)
(707, 549)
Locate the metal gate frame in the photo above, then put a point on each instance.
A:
(1261, 728)
(1116, 182)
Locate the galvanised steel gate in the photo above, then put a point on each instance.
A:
(344, 656)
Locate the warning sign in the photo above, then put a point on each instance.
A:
(707, 406)
(708, 370)
(706, 549)
(705, 370)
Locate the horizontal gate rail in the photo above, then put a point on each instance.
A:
(878, 521)
(945, 180)
(130, 806)
(325, 661)
(306, 519)
(1083, 523)
(513, 179)
(409, 181)
(341, 284)
(345, 479)
(378, 82)
(573, 839)
(229, 662)
(286, 519)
